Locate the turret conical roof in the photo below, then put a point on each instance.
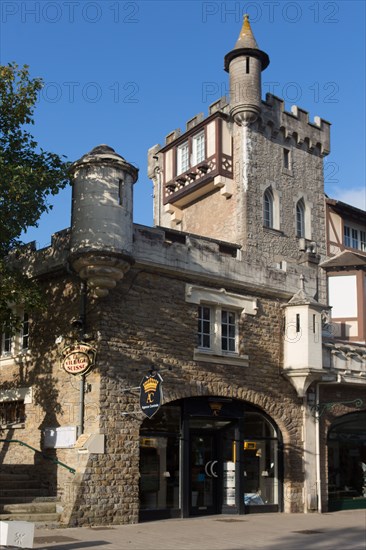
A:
(246, 45)
(246, 37)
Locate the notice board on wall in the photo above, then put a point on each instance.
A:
(60, 437)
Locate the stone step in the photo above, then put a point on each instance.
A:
(16, 477)
(23, 499)
(35, 518)
(21, 491)
(28, 507)
(16, 484)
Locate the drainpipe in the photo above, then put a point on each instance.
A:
(317, 448)
(317, 438)
(83, 299)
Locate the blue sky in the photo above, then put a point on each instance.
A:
(127, 73)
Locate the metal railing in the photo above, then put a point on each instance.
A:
(54, 460)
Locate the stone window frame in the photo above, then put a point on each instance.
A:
(300, 218)
(218, 300)
(287, 154)
(270, 187)
(308, 207)
(22, 395)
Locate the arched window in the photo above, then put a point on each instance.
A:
(268, 208)
(300, 218)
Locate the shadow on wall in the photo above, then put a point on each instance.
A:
(37, 370)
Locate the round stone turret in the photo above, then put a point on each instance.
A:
(244, 64)
(101, 219)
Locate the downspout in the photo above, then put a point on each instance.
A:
(83, 299)
(317, 439)
(317, 449)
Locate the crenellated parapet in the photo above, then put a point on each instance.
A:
(194, 162)
(295, 124)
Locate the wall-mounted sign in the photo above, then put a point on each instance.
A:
(78, 358)
(151, 393)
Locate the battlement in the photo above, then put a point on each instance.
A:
(295, 124)
(221, 105)
(36, 262)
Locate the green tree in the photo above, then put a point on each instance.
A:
(28, 177)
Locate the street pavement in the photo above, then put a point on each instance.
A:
(345, 530)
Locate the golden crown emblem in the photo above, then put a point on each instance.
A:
(150, 384)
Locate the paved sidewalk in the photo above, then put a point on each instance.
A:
(344, 530)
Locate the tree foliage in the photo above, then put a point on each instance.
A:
(28, 177)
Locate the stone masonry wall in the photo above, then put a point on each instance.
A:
(145, 321)
(304, 180)
(213, 216)
(55, 393)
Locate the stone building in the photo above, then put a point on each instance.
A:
(190, 368)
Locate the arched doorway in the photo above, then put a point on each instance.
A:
(209, 455)
(347, 462)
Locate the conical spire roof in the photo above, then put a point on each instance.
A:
(246, 45)
(246, 38)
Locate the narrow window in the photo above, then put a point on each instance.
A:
(228, 331)
(286, 159)
(199, 154)
(268, 208)
(347, 236)
(25, 332)
(204, 327)
(363, 241)
(314, 323)
(247, 65)
(120, 192)
(183, 158)
(7, 343)
(354, 238)
(297, 322)
(300, 218)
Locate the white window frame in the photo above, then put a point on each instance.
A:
(352, 236)
(211, 329)
(219, 300)
(18, 343)
(7, 343)
(182, 158)
(198, 148)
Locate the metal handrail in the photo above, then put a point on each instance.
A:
(54, 460)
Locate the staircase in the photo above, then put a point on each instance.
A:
(23, 497)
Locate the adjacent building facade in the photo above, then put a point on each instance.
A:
(217, 316)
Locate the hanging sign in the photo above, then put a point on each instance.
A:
(78, 358)
(151, 393)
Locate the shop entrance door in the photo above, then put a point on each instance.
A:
(212, 467)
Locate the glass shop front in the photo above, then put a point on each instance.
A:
(347, 462)
(209, 455)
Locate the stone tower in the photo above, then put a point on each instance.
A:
(250, 173)
(245, 64)
(101, 218)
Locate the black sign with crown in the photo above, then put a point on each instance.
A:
(151, 393)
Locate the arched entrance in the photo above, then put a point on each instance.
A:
(209, 455)
(347, 462)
